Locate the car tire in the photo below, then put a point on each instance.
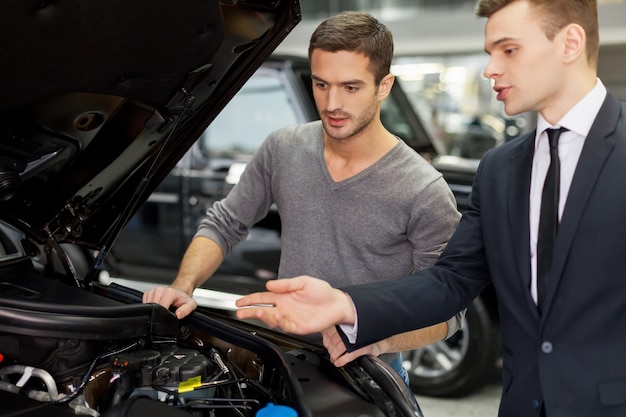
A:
(459, 365)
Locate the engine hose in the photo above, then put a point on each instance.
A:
(27, 372)
(83, 383)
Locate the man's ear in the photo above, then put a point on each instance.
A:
(575, 41)
(384, 88)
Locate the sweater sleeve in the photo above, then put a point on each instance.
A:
(227, 221)
(434, 220)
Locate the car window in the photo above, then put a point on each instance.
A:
(392, 118)
(260, 107)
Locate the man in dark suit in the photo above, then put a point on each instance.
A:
(563, 331)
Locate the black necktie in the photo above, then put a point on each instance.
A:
(548, 216)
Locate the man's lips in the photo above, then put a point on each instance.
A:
(501, 92)
(337, 121)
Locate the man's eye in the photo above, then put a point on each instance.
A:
(351, 88)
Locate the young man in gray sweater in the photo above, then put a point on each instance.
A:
(356, 203)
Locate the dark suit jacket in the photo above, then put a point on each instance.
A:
(573, 356)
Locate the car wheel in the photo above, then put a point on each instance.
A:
(460, 364)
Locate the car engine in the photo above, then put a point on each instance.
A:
(163, 378)
(67, 351)
(73, 349)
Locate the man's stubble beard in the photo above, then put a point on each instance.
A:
(364, 120)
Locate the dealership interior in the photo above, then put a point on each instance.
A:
(133, 130)
(439, 59)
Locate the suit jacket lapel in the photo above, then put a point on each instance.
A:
(518, 209)
(597, 148)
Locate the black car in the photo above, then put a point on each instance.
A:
(148, 251)
(100, 100)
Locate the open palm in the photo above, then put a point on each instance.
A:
(300, 305)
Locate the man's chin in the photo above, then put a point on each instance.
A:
(510, 110)
(338, 133)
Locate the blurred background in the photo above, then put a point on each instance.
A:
(440, 60)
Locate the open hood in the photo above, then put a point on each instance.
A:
(100, 99)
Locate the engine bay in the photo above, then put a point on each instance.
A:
(134, 378)
(71, 351)
(98, 351)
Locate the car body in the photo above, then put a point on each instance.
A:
(148, 251)
(101, 99)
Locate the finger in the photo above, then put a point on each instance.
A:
(247, 313)
(165, 297)
(328, 344)
(336, 350)
(348, 357)
(326, 341)
(150, 296)
(158, 295)
(285, 285)
(330, 338)
(275, 319)
(343, 359)
(256, 298)
(260, 313)
(334, 336)
(186, 308)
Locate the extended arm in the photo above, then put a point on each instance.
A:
(201, 260)
(398, 343)
(225, 225)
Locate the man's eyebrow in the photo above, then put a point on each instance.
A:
(349, 82)
(499, 42)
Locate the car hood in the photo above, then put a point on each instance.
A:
(100, 99)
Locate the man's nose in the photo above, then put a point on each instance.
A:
(334, 101)
(491, 70)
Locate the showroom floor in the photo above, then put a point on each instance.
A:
(483, 403)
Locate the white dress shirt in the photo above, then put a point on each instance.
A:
(578, 121)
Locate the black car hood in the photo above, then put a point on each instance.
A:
(100, 99)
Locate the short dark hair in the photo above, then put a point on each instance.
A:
(356, 32)
(556, 14)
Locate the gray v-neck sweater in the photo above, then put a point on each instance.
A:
(389, 220)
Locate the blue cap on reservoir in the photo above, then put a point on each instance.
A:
(271, 410)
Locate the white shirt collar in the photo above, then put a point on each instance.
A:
(580, 117)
